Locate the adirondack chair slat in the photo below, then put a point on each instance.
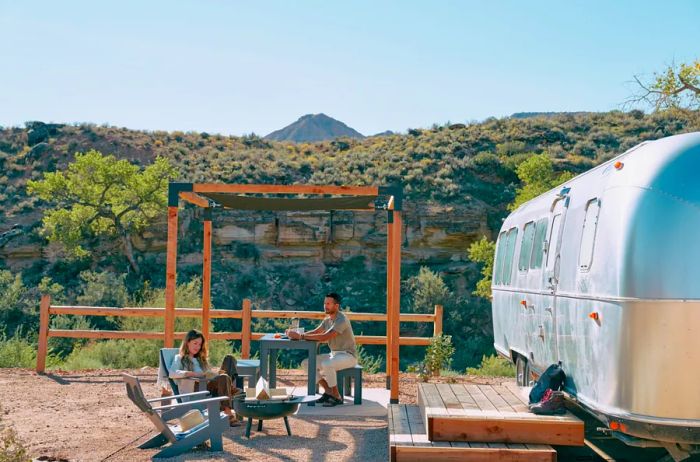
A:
(180, 442)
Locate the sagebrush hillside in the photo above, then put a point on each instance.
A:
(458, 179)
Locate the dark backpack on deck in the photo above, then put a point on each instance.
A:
(553, 378)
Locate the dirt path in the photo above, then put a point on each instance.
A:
(86, 416)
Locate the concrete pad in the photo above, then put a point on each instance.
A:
(374, 404)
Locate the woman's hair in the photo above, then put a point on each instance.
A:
(201, 355)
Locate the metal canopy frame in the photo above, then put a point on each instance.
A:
(195, 193)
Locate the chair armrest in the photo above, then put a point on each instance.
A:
(184, 395)
(192, 403)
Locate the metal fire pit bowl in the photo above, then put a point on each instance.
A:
(266, 409)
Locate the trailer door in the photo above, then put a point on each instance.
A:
(546, 328)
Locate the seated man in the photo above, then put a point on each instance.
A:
(336, 330)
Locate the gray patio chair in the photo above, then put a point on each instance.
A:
(180, 442)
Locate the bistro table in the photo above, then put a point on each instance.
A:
(268, 353)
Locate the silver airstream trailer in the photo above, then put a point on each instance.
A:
(603, 274)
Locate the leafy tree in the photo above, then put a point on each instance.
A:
(676, 87)
(428, 289)
(538, 176)
(483, 251)
(99, 195)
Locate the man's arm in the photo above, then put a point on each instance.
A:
(314, 335)
(320, 336)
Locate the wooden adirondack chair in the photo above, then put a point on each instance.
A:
(180, 442)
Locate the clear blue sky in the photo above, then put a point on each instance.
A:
(234, 67)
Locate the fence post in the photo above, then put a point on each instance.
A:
(43, 332)
(245, 329)
(437, 323)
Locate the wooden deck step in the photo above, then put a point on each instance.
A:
(408, 441)
(491, 414)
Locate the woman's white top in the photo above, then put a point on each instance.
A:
(178, 371)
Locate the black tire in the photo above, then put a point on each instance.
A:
(522, 372)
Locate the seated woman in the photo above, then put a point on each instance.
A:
(191, 363)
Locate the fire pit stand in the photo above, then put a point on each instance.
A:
(267, 409)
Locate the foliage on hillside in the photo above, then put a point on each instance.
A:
(481, 162)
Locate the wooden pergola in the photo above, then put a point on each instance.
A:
(304, 197)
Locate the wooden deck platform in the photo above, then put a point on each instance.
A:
(408, 441)
(491, 414)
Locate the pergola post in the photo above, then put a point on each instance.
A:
(174, 190)
(206, 272)
(395, 306)
(170, 277)
(389, 293)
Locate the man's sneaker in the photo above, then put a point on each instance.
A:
(324, 397)
(332, 401)
(552, 403)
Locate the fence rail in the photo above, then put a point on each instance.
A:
(246, 314)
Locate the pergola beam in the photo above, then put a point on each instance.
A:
(285, 189)
(194, 199)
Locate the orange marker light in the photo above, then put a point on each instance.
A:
(619, 165)
(614, 425)
(524, 303)
(594, 315)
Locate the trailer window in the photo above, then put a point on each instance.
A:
(526, 246)
(510, 250)
(498, 267)
(538, 244)
(590, 225)
(552, 244)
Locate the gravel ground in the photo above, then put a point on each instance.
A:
(86, 416)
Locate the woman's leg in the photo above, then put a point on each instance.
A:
(221, 386)
(228, 367)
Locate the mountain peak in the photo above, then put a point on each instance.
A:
(314, 127)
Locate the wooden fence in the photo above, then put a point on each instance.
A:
(246, 314)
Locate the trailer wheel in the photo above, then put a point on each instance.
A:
(522, 372)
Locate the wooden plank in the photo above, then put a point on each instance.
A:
(389, 295)
(395, 306)
(472, 454)
(206, 277)
(465, 399)
(104, 334)
(493, 396)
(437, 321)
(245, 329)
(381, 340)
(194, 199)
(513, 400)
(402, 432)
(519, 392)
(434, 406)
(452, 404)
(480, 399)
(500, 430)
(418, 431)
(44, 307)
(392, 447)
(352, 316)
(286, 189)
(170, 277)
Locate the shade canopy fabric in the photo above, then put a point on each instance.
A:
(239, 202)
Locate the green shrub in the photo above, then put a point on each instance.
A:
(116, 354)
(439, 354)
(17, 352)
(493, 366)
(370, 363)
